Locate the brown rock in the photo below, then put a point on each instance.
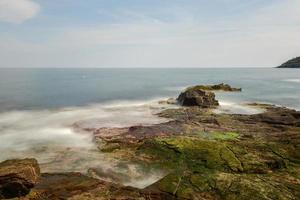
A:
(17, 177)
(76, 186)
(197, 97)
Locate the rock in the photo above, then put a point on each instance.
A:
(293, 63)
(218, 87)
(275, 116)
(240, 157)
(197, 97)
(108, 147)
(62, 186)
(214, 169)
(17, 177)
(77, 186)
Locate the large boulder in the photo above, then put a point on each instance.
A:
(17, 177)
(197, 97)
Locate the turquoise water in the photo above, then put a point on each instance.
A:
(44, 113)
(27, 89)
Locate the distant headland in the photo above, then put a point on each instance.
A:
(293, 63)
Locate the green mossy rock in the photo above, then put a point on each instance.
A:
(221, 167)
(192, 153)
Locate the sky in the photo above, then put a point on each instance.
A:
(148, 33)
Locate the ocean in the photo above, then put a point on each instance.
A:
(34, 89)
(39, 108)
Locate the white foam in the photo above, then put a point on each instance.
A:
(296, 80)
(51, 137)
(236, 108)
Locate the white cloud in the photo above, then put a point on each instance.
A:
(265, 37)
(17, 11)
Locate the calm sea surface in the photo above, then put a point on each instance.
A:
(26, 89)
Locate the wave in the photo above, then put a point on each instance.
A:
(236, 108)
(296, 80)
(51, 137)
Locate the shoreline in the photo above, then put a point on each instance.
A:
(195, 154)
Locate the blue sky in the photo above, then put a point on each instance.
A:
(144, 33)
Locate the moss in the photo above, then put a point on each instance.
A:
(170, 183)
(185, 193)
(222, 86)
(192, 153)
(202, 181)
(219, 135)
(234, 187)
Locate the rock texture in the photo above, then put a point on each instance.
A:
(197, 97)
(293, 63)
(76, 186)
(17, 177)
(217, 156)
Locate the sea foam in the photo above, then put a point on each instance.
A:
(236, 108)
(50, 136)
(295, 80)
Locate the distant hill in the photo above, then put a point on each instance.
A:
(293, 63)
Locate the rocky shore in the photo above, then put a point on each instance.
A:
(204, 155)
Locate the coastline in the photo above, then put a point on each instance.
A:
(195, 153)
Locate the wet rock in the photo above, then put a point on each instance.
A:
(17, 177)
(240, 157)
(62, 186)
(197, 97)
(108, 147)
(113, 137)
(275, 116)
(221, 170)
(76, 186)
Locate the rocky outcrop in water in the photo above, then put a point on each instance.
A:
(197, 97)
(293, 63)
(17, 177)
(202, 95)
